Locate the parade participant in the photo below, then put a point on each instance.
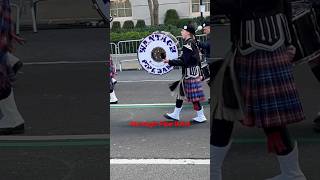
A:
(11, 121)
(112, 82)
(205, 46)
(189, 87)
(255, 84)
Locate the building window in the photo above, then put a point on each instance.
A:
(196, 5)
(120, 8)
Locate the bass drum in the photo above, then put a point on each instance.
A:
(102, 7)
(306, 35)
(153, 48)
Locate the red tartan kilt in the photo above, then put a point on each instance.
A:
(268, 89)
(193, 90)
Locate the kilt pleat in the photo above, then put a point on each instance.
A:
(267, 86)
(193, 89)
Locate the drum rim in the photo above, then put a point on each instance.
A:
(156, 32)
(95, 3)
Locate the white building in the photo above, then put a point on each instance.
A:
(123, 10)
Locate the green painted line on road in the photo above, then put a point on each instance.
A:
(54, 143)
(106, 142)
(262, 140)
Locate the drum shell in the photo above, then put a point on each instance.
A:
(306, 36)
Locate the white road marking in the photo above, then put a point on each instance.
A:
(54, 137)
(137, 105)
(62, 62)
(160, 161)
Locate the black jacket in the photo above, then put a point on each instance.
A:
(257, 24)
(205, 46)
(190, 55)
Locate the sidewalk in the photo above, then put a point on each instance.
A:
(59, 11)
(64, 45)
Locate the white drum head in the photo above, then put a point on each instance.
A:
(149, 53)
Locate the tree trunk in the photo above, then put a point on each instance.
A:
(156, 12)
(151, 10)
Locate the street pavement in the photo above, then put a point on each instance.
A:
(61, 94)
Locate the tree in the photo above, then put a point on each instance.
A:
(154, 11)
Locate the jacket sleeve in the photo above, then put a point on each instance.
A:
(177, 62)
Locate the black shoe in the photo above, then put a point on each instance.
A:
(317, 124)
(16, 67)
(193, 122)
(15, 130)
(115, 102)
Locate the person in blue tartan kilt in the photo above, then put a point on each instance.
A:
(11, 121)
(112, 82)
(256, 83)
(112, 71)
(189, 87)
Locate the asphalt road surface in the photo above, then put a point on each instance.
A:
(61, 94)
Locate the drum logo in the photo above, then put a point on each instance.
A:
(153, 48)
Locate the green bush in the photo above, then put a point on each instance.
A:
(207, 18)
(171, 17)
(128, 25)
(198, 21)
(141, 24)
(116, 25)
(139, 33)
(183, 22)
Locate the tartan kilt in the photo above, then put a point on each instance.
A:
(268, 90)
(112, 70)
(193, 90)
(5, 26)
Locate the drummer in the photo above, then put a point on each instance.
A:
(205, 46)
(189, 87)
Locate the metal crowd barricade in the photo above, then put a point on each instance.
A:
(114, 52)
(128, 47)
(128, 51)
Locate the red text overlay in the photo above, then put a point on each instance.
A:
(161, 124)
